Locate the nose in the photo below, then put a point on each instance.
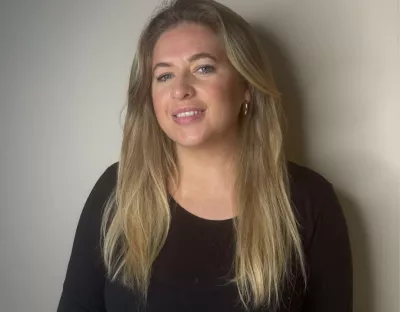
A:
(182, 88)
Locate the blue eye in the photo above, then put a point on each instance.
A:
(206, 69)
(164, 77)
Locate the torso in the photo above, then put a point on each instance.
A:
(192, 270)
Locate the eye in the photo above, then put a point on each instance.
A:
(164, 77)
(206, 69)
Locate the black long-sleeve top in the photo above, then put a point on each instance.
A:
(186, 276)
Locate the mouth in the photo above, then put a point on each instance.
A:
(189, 117)
(189, 113)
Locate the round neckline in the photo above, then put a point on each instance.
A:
(192, 215)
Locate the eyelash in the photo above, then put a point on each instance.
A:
(209, 69)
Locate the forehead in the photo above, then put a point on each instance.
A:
(186, 40)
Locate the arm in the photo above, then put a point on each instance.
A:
(85, 277)
(330, 284)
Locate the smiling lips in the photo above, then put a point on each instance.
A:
(187, 116)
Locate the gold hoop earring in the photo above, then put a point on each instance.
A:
(246, 108)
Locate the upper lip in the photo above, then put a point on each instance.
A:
(186, 109)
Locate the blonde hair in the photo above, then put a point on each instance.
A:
(137, 216)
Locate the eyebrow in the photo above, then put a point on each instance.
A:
(194, 57)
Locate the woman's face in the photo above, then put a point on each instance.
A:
(197, 94)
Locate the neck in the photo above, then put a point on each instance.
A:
(208, 167)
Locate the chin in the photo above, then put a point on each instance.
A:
(188, 136)
(189, 142)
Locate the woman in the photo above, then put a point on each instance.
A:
(203, 212)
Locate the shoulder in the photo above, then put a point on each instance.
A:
(108, 179)
(102, 190)
(84, 282)
(313, 199)
(303, 178)
(306, 185)
(110, 174)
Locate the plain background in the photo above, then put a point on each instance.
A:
(64, 72)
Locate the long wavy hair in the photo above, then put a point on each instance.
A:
(137, 217)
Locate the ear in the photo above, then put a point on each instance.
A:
(247, 92)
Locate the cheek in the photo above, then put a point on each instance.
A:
(217, 92)
(159, 103)
(227, 93)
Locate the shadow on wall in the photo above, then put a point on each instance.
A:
(296, 149)
(292, 100)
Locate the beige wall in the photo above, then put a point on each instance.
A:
(64, 69)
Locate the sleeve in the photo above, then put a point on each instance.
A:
(330, 283)
(84, 282)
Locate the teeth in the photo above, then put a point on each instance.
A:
(187, 114)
